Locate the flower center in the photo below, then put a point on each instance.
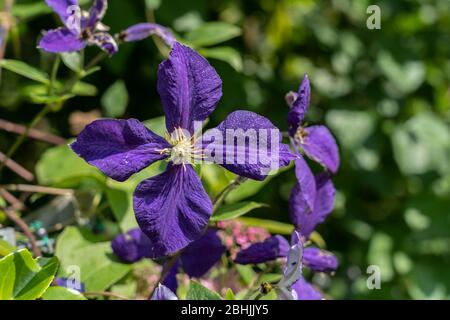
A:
(301, 135)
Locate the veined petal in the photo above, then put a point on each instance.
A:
(141, 31)
(97, 12)
(299, 106)
(189, 87)
(201, 255)
(271, 249)
(172, 209)
(106, 42)
(163, 293)
(61, 7)
(303, 290)
(319, 145)
(119, 148)
(131, 246)
(61, 40)
(319, 260)
(303, 195)
(248, 145)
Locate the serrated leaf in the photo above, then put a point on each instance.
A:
(198, 292)
(274, 227)
(115, 100)
(25, 278)
(212, 33)
(24, 70)
(226, 54)
(61, 293)
(235, 210)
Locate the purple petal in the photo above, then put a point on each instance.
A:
(69, 283)
(271, 249)
(303, 195)
(61, 7)
(299, 106)
(306, 291)
(303, 219)
(119, 148)
(201, 255)
(97, 12)
(294, 266)
(171, 278)
(106, 42)
(248, 145)
(189, 87)
(172, 209)
(319, 145)
(320, 260)
(163, 293)
(61, 40)
(141, 31)
(131, 246)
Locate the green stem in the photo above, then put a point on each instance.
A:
(220, 198)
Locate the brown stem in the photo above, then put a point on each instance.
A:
(37, 189)
(17, 168)
(32, 133)
(105, 294)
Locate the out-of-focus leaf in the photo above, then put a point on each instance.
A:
(121, 203)
(61, 293)
(198, 292)
(226, 54)
(235, 210)
(115, 99)
(157, 125)
(229, 295)
(24, 70)
(6, 248)
(25, 278)
(72, 60)
(247, 273)
(380, 254)
(274, 227)
(212, 33)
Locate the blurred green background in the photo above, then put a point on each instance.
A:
(385, 94)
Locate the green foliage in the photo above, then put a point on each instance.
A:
(115, 99)
(235, 210)
(212, 33)
(60, 293)
(198, 292)
(25, 70)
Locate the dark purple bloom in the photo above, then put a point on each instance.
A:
(303, 290)
(304, 220)
(319, 260)
(172, 208)
(271, 249)
(141, 31)
(163, 293)
(80, 28)
(131, 246)
(69, 283)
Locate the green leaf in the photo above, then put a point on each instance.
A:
(30, 10)
(226, 54)
(99, 268)
(60, 163)
(270, 225)
(61, 293)
(121, 203)
(84, 89)
(72, 60)
(115, 100)
(230, 295)
(24, 70)
(6, 248)
(246, 272)
(235, 210)
(198, 292)
(25, 278)
(212, 33)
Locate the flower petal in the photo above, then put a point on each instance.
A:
(303, 195)
(172, 209)
(61, 40)
(119, 148)
(61, 7)
(97, 12)
(305, 220)
(189, 87)
(248, 145)
(195, 264)
(305, 291)
(106, 42)
(141, 31)
(320, 146)
(171, 278)
(163, 293)
(131, 246)
(271, 249)
(299, 106)
(319, 260)
(294, 267)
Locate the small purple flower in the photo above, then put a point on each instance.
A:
(80, 28)
(141, 31)
(271, 249)
(163, 293)
(173, 209)
(131, 246)
(319, 260)
(316, 142)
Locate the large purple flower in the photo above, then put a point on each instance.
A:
(173, 209)
(80, 28)
(316, 142)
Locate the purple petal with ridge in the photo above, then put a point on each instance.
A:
(61, 7)
(299, 106)
(97, 12)
(271, 249)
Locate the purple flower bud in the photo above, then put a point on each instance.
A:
(319, 260)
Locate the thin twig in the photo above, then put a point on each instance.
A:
(17, 168)
(105, 294)
(38, 189)
(15, 203)
(220, 198)
(32, 133)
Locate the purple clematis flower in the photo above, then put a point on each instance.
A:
(80, 28)
(316, 142)
(173, 209)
